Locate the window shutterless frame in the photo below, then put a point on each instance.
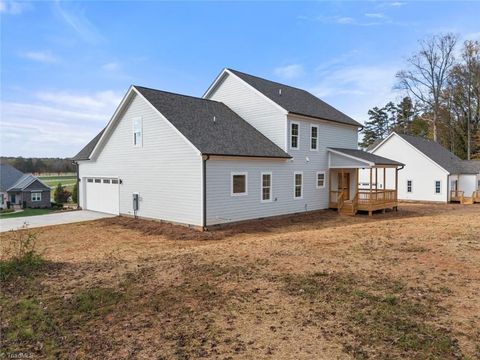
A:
(137, 131)
(438, 187)
(266, 187)
(237, 176)
(314, 137)
(409, 186)
(36, 196)
(294, 135)
(298, 185)
(321, 179)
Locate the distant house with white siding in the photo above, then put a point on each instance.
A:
(250, 148)
(431, 173)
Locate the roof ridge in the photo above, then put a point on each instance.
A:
(275, 82)
(177, 94)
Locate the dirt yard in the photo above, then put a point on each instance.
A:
(400, 285)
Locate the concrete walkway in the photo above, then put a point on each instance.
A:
(51, 219)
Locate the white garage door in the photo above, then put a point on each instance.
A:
(102, 194)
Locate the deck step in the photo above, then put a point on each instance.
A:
(467, 201)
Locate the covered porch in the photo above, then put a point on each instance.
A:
(360, 181)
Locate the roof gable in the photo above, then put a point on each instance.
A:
(295, 100)
(25, 181)
(435, 153)
(210, 126)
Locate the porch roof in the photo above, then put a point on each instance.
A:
(359, 158)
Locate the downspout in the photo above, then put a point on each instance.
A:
(204, 190)
(78, 183)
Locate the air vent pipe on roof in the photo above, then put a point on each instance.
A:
(280, 92)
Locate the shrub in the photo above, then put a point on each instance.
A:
(61, 194)
(19, 257)
(75, 193)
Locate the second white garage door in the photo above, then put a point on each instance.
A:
(102, 194)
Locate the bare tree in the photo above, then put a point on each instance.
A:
(427, 73)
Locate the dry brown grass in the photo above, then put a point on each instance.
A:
(398, 285)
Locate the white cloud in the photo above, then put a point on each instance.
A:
(111, 66)
(73, 14)
(289, 71)
(397, 4)
(14, 7)
(41, 56)
(375, 15)
(56, 123)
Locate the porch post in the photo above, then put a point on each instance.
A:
(396, 184)
(329, 187)
(370, 197)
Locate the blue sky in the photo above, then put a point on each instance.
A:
(66, 65)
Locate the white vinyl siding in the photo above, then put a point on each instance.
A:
(252, 106)
(420, 169)
(223, 208)
(166, 171)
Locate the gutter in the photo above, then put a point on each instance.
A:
(204, 191)
(78, 183)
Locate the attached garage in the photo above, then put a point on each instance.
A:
(102, 195)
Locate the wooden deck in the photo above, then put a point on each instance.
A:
(364, 200)
(462, 198)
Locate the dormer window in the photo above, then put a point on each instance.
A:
(137, 131)
(294, 133)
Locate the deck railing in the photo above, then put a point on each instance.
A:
(376, 197)
(457, 195)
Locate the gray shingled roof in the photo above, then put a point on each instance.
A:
(436, 152)
(471, 166)
(296, 101)
(363, 155)
(25, 181)
(8, 176)
(84, 154)
(211, 126)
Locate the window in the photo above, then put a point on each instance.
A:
(438, 187)
(320, 180)
(478, 184)
(97, 181)
(114, 181)
(106, 181)
(314, 137)
(137, 131)
(2, 198)
(239, 184)
(294, 131)
(266, 187)
(89, 180)
(409, 186)
(298, 189)
(36, 196)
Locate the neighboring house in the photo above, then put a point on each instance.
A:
(250, 148)
(432, 173)
(17, 187)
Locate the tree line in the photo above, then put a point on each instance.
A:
(40, 165)
(441, 99)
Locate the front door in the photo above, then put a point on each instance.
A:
(344, 184)
(12, 199)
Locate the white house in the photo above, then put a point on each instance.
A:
(250, 148)
(431, 173)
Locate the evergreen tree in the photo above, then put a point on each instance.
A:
(75, 193)
(376, 128)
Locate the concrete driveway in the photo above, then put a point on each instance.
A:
(51, 219)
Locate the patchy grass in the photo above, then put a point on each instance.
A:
(315, 286)
(26, 212)
(380, 315)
